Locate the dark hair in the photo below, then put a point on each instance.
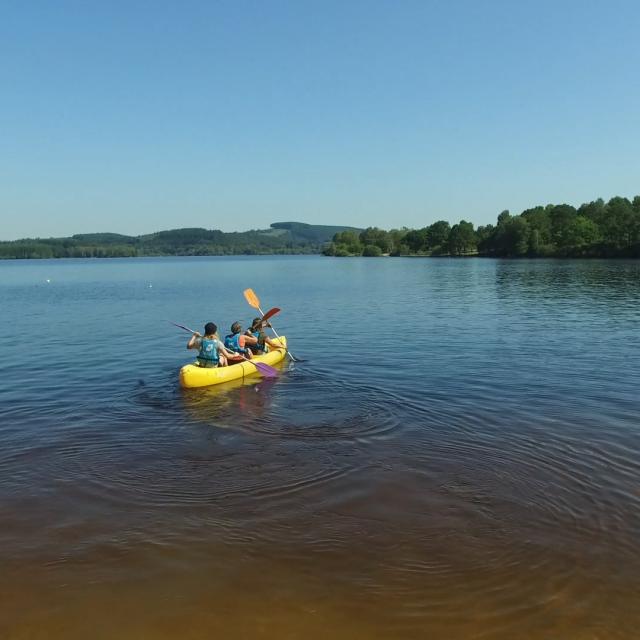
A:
(210, 328)
(236, 328)
(257, 323)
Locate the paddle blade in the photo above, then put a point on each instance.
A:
(266, 370)
(251, 298)
(270, 313)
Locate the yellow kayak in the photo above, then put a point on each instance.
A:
(191, 375)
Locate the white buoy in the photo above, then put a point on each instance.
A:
(48, 280)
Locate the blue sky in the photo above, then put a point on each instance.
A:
(139, 116)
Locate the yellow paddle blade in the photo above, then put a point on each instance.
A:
(251, 298)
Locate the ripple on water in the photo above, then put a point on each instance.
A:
(303, 404)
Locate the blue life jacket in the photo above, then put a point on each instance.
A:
(208, 354)
(232, 342)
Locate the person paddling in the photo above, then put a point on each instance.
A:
(212, 352)
(239, 344)
(257, 331)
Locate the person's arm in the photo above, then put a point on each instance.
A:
(194, 341)
(245, 340)
(224, 352)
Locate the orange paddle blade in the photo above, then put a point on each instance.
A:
(251, 298)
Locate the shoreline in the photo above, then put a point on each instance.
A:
(282, 255)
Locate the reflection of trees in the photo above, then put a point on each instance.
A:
(586, 281)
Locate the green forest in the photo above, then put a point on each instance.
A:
(280, 238)
(595, 229)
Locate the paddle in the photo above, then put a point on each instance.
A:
(254, 301)
(271, 313)
(181, 326)
(265, 369)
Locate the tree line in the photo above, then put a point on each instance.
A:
(595, 229)
(281, 238)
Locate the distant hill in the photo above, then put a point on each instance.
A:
(102, 238)
(280, 238)
(319, 233)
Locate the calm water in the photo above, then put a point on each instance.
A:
(459, 457)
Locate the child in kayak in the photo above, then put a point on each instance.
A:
(239, 344)
(257, 331)
(211, 351)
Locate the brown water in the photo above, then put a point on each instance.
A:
(487, 488)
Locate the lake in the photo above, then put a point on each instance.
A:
(457, 458)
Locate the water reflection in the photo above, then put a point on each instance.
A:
(481, 484)
(592, 280)
(241, 400)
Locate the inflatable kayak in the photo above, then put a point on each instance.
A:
(191, 375)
